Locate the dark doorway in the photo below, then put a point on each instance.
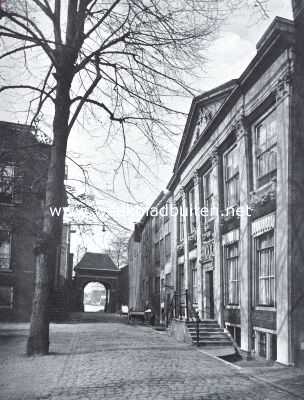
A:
(209, 295)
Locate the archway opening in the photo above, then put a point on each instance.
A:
(94, 297)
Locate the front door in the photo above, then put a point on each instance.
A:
(209, 295)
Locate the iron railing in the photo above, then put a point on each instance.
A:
(176, 308)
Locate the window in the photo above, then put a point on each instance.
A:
(5, 249)
(166, 212)
(193, 281)
(168, 280)
(6, 297)
(191, 210)
(150, 283)
(231, 177)
(262, 344)
(156, 223)
(232, 274)
(162, 253)
(235, 332)
(208, 195)
(147, 292)
(6, 183)
(167, 246)
(157, 284)
(180, 223)
(181, 280)
(157, 253)
(265, 269)
(266, 150)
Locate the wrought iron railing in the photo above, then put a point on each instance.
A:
(176, 308)
(192, 315)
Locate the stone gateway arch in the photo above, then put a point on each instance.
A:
(97, 267)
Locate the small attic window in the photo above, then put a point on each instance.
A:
(203, 120)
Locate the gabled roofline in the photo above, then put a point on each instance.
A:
(281, 30)
(204, 98)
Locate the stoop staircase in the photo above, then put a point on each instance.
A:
(208, 333)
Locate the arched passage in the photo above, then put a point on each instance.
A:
(95, 297)
(97, 268)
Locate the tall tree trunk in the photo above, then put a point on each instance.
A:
(38, 341)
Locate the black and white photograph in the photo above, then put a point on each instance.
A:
(151, 199)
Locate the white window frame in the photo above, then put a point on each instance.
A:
(10, 249)
(210, 195)
(235, 176)
(256, 124)
(228, 282)
(9, 307)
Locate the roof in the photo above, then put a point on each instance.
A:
(96, 261)
(204, 98)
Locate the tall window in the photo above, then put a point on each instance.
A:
(5, 249)
(193, 280)
(156, 253)
(167, 246)
(231, 177)
(181, 279)
(6, 183)
(232, 274)
(168, 280)
(157, 284)
(208, 195)
(191, 210)
(266, 150)
(6, 297)
(156, 223)
(162, 253)
(180, 223)
(265, 269)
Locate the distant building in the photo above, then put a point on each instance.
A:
(97, 267)
(237, 241)
(150, 277)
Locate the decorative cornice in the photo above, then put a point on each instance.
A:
(283, 85)
(215, 156)
(240, 127)
(196, 178)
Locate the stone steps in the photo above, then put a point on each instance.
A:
(210, 334)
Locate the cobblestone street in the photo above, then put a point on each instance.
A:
(119, 361)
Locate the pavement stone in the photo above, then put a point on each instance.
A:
(117, 361)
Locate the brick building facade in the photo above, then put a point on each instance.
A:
(23, 169)
(24, 160)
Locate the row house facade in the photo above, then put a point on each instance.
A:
(149, 260)
(236, 233)
(233, 187)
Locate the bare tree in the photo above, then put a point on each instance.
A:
(111, 59)
(118, 249)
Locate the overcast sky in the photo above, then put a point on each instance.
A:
(227, 57)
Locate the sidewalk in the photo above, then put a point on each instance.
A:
(117, 361)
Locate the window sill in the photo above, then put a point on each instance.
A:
(265, 308)
(8, 204)
(232, 307)
(6, 270)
